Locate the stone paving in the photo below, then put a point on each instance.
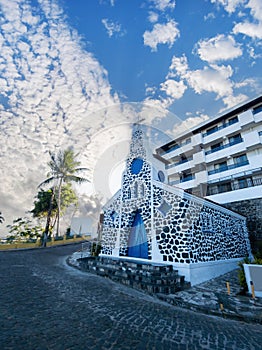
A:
(45, 304)
(212, 297)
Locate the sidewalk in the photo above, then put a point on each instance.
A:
(212, 298)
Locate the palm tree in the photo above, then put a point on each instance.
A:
(2, 219)
(64, 169)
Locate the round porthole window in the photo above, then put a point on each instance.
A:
(161, 176)
(136, 165)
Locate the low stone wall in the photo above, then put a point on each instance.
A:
(150, 278)
(252, 210)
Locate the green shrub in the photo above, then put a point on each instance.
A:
(96, 248)
(241, 273)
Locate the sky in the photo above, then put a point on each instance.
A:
(81, 72)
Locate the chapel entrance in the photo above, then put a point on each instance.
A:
(137, 243)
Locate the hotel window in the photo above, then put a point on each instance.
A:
(235, 139)
(232, 120)
(183, 159)
(216, 147)
(220, 166)
(243, 183)
(257, 109)
(225, 187)
(211, 130)
(240, 159)
(186, 176)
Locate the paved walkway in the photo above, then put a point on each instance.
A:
(211, 297)
(47, 305)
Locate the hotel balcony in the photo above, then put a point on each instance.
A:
(197, 140)
(246, 118)
(220, 131)
(227, 171)
(180, 166)
(235, 189)
(258, 115)
(225, 150)
(199, 157)
(252, 139)
(201, 177)
(176, 150)
(185, 183)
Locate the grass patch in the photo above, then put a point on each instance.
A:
(25, 245)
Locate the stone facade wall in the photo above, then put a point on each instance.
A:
(189, 230)
(252, 210)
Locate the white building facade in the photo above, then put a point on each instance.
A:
(221, 160)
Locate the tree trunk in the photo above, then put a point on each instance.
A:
(48, 219)
(58, 208)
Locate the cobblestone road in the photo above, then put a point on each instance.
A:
(45, 304)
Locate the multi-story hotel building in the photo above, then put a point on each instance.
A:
(221, 160)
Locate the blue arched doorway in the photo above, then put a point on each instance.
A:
(137, 243)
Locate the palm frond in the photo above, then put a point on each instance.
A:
(81, 169)
(74, 178)
(47, 181)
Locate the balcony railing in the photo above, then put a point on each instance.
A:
(234, 186)
(188, 178)
(235, 142)
(182, 161)
(176, 146)
(176, 182)
(225, 125)
(257, 110)
(228, 167)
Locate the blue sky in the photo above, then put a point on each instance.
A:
(135, 42)
(73, 72)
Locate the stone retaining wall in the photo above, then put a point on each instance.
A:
(252, 209)
(150, 278)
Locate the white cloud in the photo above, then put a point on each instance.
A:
(229, 5)
(252, 53)
(211, 79)
(255, 9)
(209, 16)
(50, 88)
(246, 82)
(162, 5)
(161, 34)
(250, 29)
(179, 66)
(218, 48)
(173, 88)
(231, 101)
(188, 124)
(253, 28)
(153, 17)
(112, 27)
